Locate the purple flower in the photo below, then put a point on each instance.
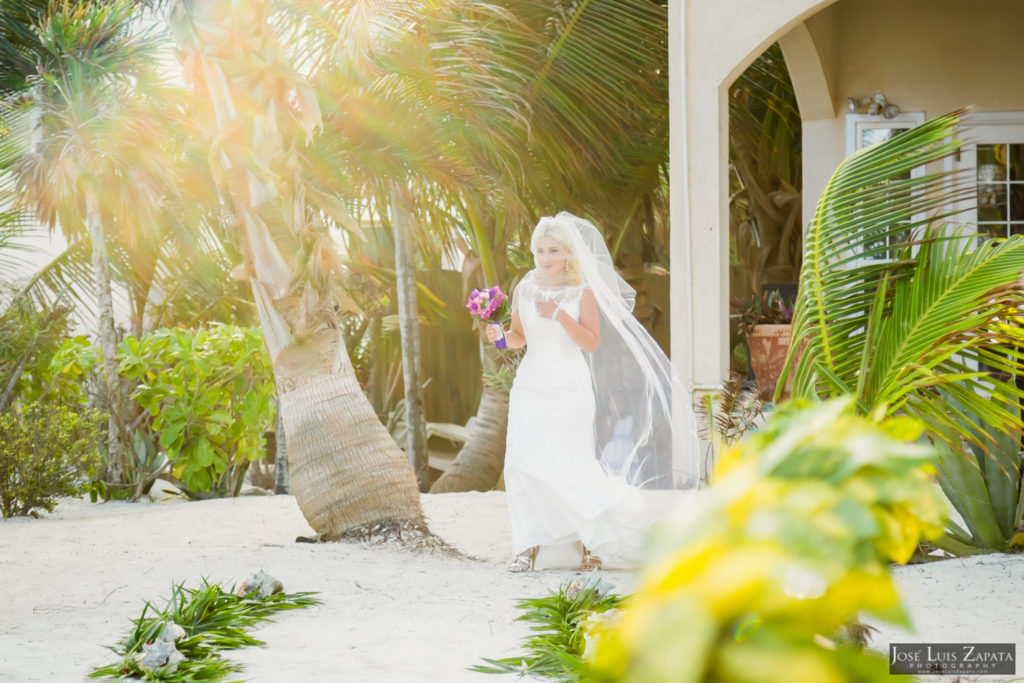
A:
(487, 303)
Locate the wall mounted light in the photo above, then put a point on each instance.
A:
(876, 104)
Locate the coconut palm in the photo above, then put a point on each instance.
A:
(893, 331)
(416, 100)
(83, 166)
(345, 470)
(934, 333)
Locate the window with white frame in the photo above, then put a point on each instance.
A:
(1000, 183)
(993, 157)
(865, 130)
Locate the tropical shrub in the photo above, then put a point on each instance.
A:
(893, 326)
(72, 374)
(928, 328)
(210, 394)
(47, 450)
(791, 543)
(29, 338)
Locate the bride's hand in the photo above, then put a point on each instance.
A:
(493, 333)
(547, 309)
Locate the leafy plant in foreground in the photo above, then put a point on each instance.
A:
(791, 544)
(212, 620)
(210, 394)
(556, 648)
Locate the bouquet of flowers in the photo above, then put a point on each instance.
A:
(490, 306)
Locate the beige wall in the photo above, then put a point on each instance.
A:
(709, 44)
(924, 55)
(931, 56)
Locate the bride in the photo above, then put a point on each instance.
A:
(590, 411)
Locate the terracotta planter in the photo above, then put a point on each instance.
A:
(768, 345)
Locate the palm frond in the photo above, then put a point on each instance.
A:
(935, 332)
(871, 200)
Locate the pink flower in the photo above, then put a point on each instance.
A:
(487, 303)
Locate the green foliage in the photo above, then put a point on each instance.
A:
(47, 450)
(792, 542)
(212, 619)
(770, 308)
(930, 328)
(560, 621)
(890, 330)
(72, 371)
(29, 338)
(983, 484)
(210, 394)
(764, 179)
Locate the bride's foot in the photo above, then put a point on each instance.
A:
(524, 562)
(589, 561)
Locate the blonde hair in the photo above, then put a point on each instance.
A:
(549, 226)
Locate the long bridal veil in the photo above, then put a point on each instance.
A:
(644, 424)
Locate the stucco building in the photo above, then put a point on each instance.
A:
(928, 57)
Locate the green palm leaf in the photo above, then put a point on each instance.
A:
(867, 201)
(908, 335)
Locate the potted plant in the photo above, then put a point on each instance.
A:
(765, 322)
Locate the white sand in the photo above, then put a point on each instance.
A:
(73, 579)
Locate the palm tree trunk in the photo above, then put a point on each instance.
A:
(408, 324)
(117, 464)
(281, 478)
(478, 465)
(345, 469)
(378, 369)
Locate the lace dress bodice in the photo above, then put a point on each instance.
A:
(546, 336)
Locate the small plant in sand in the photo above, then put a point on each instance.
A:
(560, 621)
(181, 643)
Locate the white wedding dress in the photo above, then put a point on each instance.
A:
(557, 491)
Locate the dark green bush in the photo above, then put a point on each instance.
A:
(46, 451)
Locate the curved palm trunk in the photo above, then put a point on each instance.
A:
(478, 465)
(345, 469)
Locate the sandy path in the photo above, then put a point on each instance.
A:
(74, 578)
(80, 574)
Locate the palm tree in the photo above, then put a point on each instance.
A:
(891, 332)
(934, 333)
(19, 43)
(345, 470)
(84, 167)
(417, 98)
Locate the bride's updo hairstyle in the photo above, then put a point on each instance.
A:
(550, 226)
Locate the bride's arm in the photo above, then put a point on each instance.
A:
(587, 332)
(515, 338)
